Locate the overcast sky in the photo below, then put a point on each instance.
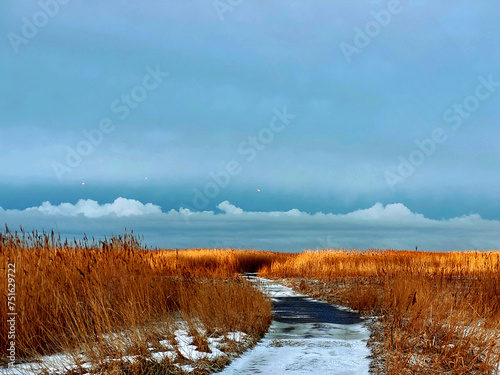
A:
(281, 125)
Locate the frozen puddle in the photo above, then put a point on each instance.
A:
(306, 337)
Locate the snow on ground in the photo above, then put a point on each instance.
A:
(61, 363)
(306, 340)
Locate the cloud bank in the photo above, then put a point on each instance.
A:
(121, 207)
(379, 226)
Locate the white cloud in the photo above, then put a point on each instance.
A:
(395, 211)
(291, 213)
(389, 226)
(378, 214)
(229, 208)
(92, 209)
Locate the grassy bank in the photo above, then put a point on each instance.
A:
(114, 298)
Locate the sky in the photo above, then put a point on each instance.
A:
(277, 125)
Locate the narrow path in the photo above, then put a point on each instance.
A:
(306, 337)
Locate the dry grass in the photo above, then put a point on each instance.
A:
(115, 297)
(439, 313)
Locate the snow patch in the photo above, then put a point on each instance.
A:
(63, 363)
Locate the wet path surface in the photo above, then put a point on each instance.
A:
(306, 337)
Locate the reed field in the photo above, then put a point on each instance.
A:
(437, 313)
(113, 298)
(432, 313)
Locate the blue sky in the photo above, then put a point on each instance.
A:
(318, 123)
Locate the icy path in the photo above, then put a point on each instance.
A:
(306, 337)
